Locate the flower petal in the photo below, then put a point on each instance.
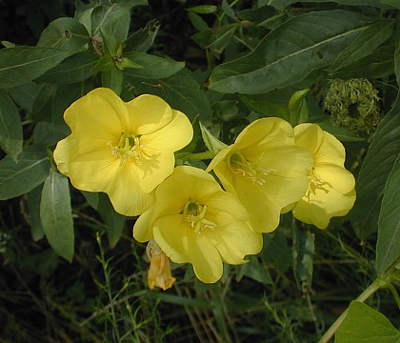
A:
(97, 114)
(174, 136)
(148, 113)
(179, 242)
(337, 177)
(319, 208)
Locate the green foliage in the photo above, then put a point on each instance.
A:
(364, 324)
(224, 65)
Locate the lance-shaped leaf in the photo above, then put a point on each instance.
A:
(291, 52)
(10, 126)
(151, 66)
(378, 163)
(56, 215)
(73, 69)
(30, 170)
(20, 65)
(367, 41)
(388, 245)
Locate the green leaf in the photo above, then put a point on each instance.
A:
(388, 244)
(143, 39)
(33, 199)
(366, 325)
(115, 19)
(73, 69)
(65, 34)
(303, 257)
(298, 110)
(47, 134)
(115, 222)
(378, 163)
(23, 64)
(265, 108)
(378, 64)
(254, 270)
(340, 133)
(213, 144)
(366, 42)
(42, 107)
(152, 66)
(394, 3)
(30, 170)
(56, 215)
(288, 54)
(112, 78)
(10, 126)
(281, 4)
(25, 95)
(215, 39)
(181, 91)
(203, 9)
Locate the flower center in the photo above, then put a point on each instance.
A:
(195, 214)
(127, 148)
(250, 170)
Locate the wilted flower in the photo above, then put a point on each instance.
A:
(331, 187)
(123, 149)
(159, 274)
(193, 220)
(265, 169)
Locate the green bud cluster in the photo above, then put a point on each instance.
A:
(353, 104)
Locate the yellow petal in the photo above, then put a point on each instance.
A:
(97, 114)
(309, 136)
(174, 136)
(150, 113)
(319, 208)
(179, 242)
(337, 177)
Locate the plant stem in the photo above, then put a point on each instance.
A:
(371, 289)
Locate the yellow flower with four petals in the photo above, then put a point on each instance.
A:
(125, 149)
(194, 220)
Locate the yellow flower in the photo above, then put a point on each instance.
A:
(159, 274)
(331, 187)
(193, 220)
(265, 169)
(123, 149)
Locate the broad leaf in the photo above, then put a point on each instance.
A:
(73, 69)
(291, 52)
(112, 78)
(378, 163)
(65, 34)
(10, 126)
(367, 41)
(388, 245)
(280, 4)
(152, 66)
(20, 65)
(366, 325)
(25, 95)
(382, 154)
(30, 170)
(341, 133)
(213, 144)
(56, 215)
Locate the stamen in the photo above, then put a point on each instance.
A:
(128, 147)
(250, 170)
(316, 183)
(195, 214)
